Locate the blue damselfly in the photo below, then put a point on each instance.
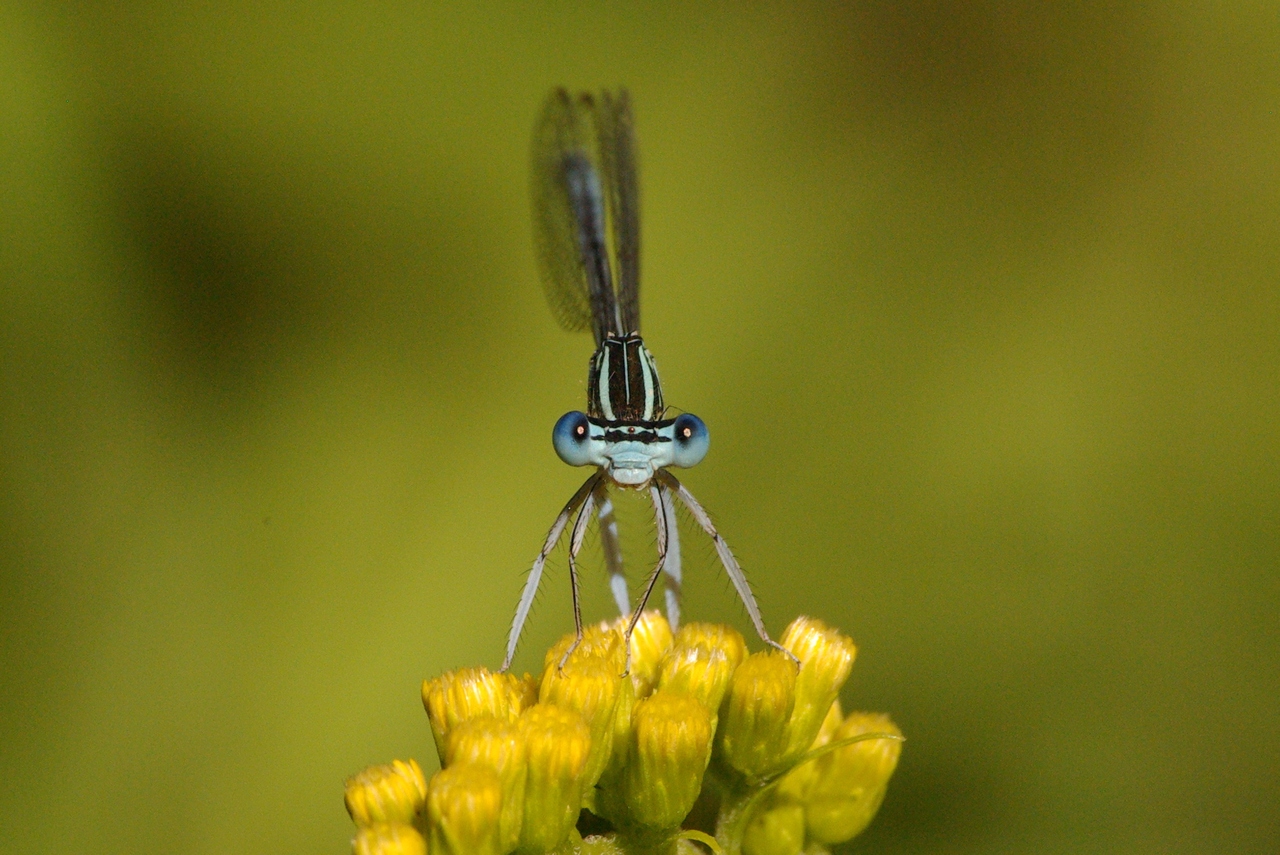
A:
(587, 230)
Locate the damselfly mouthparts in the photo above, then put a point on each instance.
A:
(587, 228)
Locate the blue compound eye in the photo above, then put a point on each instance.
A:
(572, 439)
(691, 440)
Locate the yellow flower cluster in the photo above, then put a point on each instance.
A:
(759, 746)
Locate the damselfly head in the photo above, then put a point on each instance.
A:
(629, 453)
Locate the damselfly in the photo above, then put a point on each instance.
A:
(587, 229)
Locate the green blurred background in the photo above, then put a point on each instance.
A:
(979, 301)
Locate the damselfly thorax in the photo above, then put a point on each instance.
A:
(622, 383)
(587, 230)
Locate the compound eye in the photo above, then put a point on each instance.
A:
(572, 439)
(691, 440)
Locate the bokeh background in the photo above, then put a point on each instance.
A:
(979, 301)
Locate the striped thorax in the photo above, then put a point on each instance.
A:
(622, 383)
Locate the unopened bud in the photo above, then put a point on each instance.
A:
(701, 662)
(458, 696)
(386, 795)
(557, 743)
(717, 636)
(826, 657)
(776, 831)
(670, 748)
(464, 804)
(850, 782)
(601, 641)
(590, 686)
(753, 722)
(397, 839)
(650, 641)
(524, 691)
(500, 746)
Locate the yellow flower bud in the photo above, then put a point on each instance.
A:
(601, 641)
(622, 714)
(826, 657)
(753, 719)
(397, 839)
(590, 686)
(557, 745)
(464, 803)
(795, 784)
(670, 748)
(500, 746)
(458, 696)
(650, 641)
(713, 635)
(390, 794)
(776, 831)
(701, 662)
(850, 782)
(524, 691)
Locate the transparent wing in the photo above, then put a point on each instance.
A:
(570, 211)
(618, 159)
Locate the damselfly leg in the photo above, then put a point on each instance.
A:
(535, 573)
(671, 567)
(736, 576)
(612, 548)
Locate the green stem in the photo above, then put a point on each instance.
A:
(703, 838)
(738, 799)
(832, 746)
